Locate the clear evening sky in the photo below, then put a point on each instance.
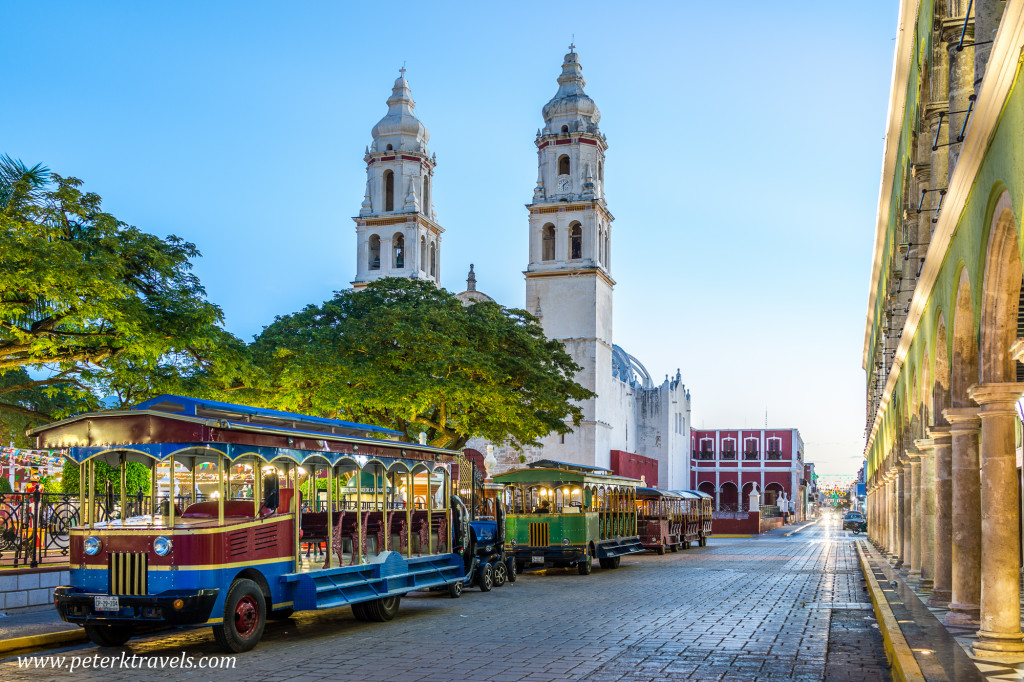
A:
(743, 169)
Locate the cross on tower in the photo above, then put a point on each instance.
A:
(402, 71)
(572, 46)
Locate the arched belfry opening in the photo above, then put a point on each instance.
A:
(563, 164)
(548, 242)
(389, 191)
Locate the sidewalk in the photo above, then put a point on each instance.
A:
(942, 652)
(39, 628)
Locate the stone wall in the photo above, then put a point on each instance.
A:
(30, 590)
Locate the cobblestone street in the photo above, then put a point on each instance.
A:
(771, 607)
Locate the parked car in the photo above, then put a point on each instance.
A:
(855, 521)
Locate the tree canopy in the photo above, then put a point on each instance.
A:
(91, 306)
(408, 355)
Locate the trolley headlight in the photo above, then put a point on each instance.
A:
(92, 545)
(162, 546)
(565, 542)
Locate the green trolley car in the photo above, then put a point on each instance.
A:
(564, 515)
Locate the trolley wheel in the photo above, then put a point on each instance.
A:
(455, 590)
(661, 550)
(245, 615)
(703, 541)
(675, 547)
(105, 634)
(585, 565)
(610, 562)
(686, 544)
(360, 612)
(511, 569)
(500, 572)
(383, 609)
(485, 577)
(281, 614)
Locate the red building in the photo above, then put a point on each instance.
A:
(728, 463)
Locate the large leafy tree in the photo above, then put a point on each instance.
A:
(90, 305)
(407, 355)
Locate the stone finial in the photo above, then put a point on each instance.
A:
(471, 279)
(367, 206)
(410, 198)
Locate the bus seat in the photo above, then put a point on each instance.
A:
(285, 500)
(208, 510)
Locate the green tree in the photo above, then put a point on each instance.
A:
(90, 305)
(137, 477)
(407, 355)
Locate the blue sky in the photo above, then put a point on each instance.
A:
(743, 169)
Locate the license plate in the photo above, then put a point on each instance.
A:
(538, 558)
(106, 604)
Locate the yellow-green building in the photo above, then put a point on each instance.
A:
(943, 339)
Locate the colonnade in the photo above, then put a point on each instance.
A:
(946, 510)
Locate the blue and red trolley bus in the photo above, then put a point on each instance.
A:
(384, 511)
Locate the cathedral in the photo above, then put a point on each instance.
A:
(632, 426)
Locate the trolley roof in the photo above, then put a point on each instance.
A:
(691, 493)
(556, 476)
(171, 425)
(567, 466)
(654, 492)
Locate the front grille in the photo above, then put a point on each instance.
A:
(129, 573)
(540, 534)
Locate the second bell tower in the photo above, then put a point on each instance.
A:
(568, 280)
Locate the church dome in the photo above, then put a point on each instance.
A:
(570, 104)
(400, 128)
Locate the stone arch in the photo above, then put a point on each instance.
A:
(563, 164)
(772, 492)
(1000, 296)
(913, 414)
(964, 370)
(575, 241)
(707, 487)
(728, 496)
(924, 409)
(940, 385)
(547, 242)
(389, 190)
(374, 256)
(398, 251)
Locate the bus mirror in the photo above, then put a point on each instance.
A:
(271, 491)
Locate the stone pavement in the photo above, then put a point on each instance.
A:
(764, 608)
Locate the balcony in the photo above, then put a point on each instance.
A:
(751, 454)
(774, 454)
(728, 454)
(705, 454)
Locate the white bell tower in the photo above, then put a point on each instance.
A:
(568, 281)
(396, 229)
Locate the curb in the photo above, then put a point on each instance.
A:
(903, 665)
(721, 535)
(36, 641)
(794, 532)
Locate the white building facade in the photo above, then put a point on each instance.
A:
(569, 284)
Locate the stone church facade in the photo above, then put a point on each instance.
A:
(569, 283)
